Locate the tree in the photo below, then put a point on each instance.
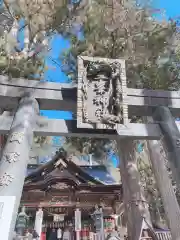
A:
(128, 32)
(121, 29)
(39, 21)
(99, 148)
(14, 61)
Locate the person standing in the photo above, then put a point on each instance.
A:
(53, 235)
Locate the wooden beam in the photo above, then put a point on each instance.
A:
(60, 204)
(56, 127)
(20, 82)
(54, 86)
(51, 96)
(153, 93)
(59, 96)
(142, 102)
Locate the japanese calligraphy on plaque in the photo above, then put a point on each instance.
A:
(11, 157)
(6, 179)
(17, 136)
(57, 210)
(101, 93)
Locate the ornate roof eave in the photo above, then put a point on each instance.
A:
(58, 177)
(48, 167)
(62, 170)
(61, 158)
(97, 188)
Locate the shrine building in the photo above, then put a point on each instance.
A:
(61, 186)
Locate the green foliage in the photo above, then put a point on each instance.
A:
(40, 15)
(16, 62)
(16, 68)
(42, 19)
(84, 146)
(116, 30)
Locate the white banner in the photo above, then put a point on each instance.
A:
(7, 204)
(77, 220)
(38, 222)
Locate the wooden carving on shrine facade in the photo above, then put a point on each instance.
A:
(102, 91)
(60, 186)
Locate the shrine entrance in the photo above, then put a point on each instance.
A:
(105, 108)
(65, 204)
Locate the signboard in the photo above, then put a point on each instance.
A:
(58, 217)
(57, 210)
(102, 93)
(55, 204)
(77, 220)
(7, 204)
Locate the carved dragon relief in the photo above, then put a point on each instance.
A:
(101, 92)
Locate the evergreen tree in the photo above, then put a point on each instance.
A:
(39, 19)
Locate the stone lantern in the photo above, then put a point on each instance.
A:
(22, 222)
(97, 216)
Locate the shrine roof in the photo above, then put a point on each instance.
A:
(100, 173)
(62, 169)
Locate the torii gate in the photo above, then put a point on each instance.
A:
(104, 106)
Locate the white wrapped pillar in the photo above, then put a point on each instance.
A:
(39, 222)
(77, 223)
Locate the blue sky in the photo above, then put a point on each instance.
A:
(54, 74)
(172, 7)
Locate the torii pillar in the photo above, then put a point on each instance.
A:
(14, 162)
(136, 206)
